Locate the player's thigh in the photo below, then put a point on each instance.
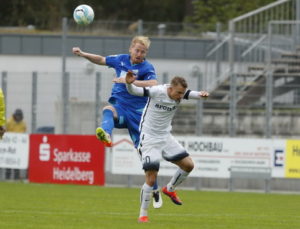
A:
(120, 120)
(150, 151)
(151, 159)
(133, 121)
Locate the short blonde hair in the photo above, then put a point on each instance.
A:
(142, 40)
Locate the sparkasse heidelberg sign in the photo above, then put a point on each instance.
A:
(66, 159)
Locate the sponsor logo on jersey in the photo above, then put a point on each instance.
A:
(163, 107)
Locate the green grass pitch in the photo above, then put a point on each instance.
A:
(47, 206)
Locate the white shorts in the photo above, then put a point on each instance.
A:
(153, 149)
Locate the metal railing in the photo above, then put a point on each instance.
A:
(247, 72)
(139, 27)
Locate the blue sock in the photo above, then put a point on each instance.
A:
(108, 121)
(155, 186)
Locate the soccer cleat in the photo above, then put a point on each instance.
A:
(103, 137)
(143, 219)
(173, 196)
(157, 200)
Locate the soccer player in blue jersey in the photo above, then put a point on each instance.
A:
(125, 110)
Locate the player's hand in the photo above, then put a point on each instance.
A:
(2, 131)
(77, 51)
(204, 94)
(130, 78)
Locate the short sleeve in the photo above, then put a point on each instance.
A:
(112, 60)
(151, 75)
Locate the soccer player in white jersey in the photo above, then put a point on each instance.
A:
(156, 141)
(125, 110)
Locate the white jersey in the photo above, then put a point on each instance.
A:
(160, 108)
(158, 112)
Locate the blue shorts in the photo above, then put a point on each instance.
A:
(129, 118)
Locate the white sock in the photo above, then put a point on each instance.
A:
(145, 199)
(177, 179)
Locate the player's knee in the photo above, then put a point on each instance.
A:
(151, 176)
(189, 167)
(151, 181)
(185, 163)
(109, 108)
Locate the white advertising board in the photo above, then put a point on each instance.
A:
(14, 151)
(213, 157)
(279, 157)
(124, 157)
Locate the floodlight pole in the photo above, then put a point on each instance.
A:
(34, 102)
(4, 85)
(64, 93)
(233, 92)
(199, 106)
(140, 27)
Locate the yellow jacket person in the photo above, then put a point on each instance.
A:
(16, 123)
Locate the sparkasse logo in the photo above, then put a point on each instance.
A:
(44, 150)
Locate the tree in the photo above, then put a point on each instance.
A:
(47, 14)
(42, 13)
(209, 12)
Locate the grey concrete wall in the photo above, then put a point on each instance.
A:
(51, 45)
(257, 185)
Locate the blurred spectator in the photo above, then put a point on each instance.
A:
(16, 123)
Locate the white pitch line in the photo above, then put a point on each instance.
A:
(135, 213)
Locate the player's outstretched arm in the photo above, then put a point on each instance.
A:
(196, 94)
(96, 59)
(131, 88)
(138, 83)
(145, 83)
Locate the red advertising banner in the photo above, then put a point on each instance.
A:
(66, 159)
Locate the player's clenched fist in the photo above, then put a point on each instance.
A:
(77, 51)
(203, 94)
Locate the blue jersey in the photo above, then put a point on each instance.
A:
(143, 71)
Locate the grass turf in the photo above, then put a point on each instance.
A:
(47, 206)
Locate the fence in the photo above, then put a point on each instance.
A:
(69, 103)
(139, 27)
(73, 105)
(47, 99)
(246, 81)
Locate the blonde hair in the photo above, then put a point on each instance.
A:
(142, 40)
